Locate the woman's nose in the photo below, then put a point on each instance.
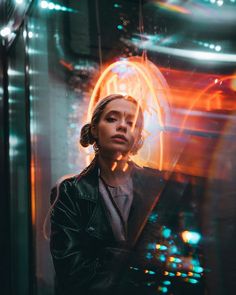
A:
(122, 125)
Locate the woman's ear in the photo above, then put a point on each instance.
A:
(94, 132)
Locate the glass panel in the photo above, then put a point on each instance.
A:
(19, 182)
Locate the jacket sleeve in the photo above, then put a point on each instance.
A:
(75, 260)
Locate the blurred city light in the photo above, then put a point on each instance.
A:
(5, 31)
(191, 237)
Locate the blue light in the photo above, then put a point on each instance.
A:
(120, 27)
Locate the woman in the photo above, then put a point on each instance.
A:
(98, 215)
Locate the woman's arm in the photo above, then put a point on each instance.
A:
(74, 253)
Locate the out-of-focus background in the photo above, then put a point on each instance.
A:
(58, 58)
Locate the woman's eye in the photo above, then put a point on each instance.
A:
(130, 123)
(111, 119)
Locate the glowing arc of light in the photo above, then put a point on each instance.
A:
(198, 97)
(142, 73)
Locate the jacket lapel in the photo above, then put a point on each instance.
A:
(148, 185)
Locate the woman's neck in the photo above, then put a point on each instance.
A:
(114, 170)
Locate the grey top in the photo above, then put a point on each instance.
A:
(119, 207)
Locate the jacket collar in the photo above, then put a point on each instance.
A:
(148, 185)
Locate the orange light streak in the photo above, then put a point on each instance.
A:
(216, 97)
(119, 157)
(114, 165)
(200, 95)
(174, 8)
(125, 167)
(33, 189)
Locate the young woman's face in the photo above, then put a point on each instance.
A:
(117, 131)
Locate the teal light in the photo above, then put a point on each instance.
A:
(174, 265)
(197, 269)
(149, 255)
(153, 217)
(134, 268)
(167, 283)
(161, 247)
(151, 246)
(191, 237)
(120, 27)
(162, 258)
(195, 262)
(151, 272)
(192, 281)
(166, 232)
(171, 274)
(164, 289)
(116, 5)
(53, 6)
(197, 275)
(173, 250)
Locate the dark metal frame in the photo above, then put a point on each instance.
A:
(5, 205)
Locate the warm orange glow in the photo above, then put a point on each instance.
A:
(215, 100)
(114, 165)
(166, 273)
(203, 93)
(190, 274)
(172, 259)
(175, 8)
(119, 157)
(178, 274)
(141, 79)
(125, 167)
(66, 65)
(158, 246)
(33, 191)
(188, 121)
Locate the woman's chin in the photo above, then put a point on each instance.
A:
(115, 153)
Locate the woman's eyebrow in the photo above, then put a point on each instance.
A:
(115, 112)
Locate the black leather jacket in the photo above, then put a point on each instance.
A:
(86, 257)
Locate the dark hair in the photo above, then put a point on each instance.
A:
(86, 137)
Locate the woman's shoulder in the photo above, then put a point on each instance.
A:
(149, 171)
(73, 179)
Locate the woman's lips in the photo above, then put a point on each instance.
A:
(119, 138)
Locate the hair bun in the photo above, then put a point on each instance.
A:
(86, 137)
